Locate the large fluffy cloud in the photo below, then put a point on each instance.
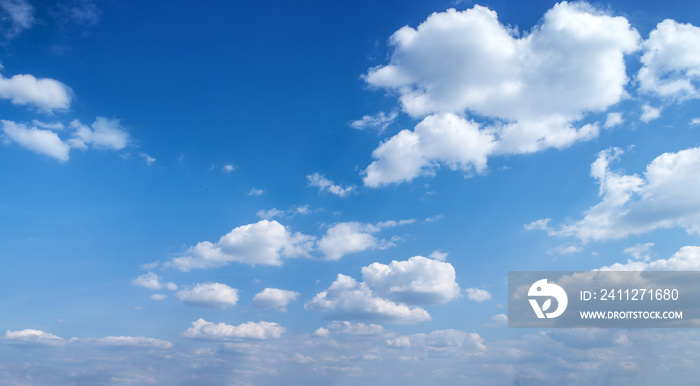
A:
(664, 197)
(265, 242)
(104, 133)
(348, 299)
(347, 237)
(416, 281)
(201, 329)
(532, 89)
(211, 295)
(671, 61)
(274, 298)
(37, 140)
(43, 93)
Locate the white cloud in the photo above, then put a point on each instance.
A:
(417, 281)
(270, 213)
(51, 126)
(255, 192)
(535, 87)
(152, 281)
(265, 242)
(210, 295)
(439, 255)
(348, 299)
(15, 17)
(639, 251)
(613, 119)
(348, 237)
(201, 329)
(664, 197)
(325, 185)
(228, 168)
(440, 339)
(686, 259)
(671, 61)
(275, 298)
(44, 93)
(380, 121)
(650, 113)
(149, 160)
(105, 134)
(39, 141)
(158, 297)
(445, 138)
(32, 337)
(695, 122)
(541, 224)
(565, 250)
(478, 294)
(133, 341)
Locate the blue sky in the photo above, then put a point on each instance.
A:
(334, 193)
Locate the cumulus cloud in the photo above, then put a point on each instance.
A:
(32, 337)
(348, 299)
(210, 295)
(531, 89)
(275, 298)
(348, 237)
(478, 295)
(379, 122)
(671, 61)
(664, 197)
(37, 140)
(265, 243)
(201, 329)
(686, 259)
(325, 185)
(416, 281)
(43, 93)
(133, 341)
(152, 281)
(15, 17)
(103, 134)
(228, 168)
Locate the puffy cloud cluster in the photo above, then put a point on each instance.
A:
(45, 94)
(671, 61)
(201, 329)
(532, 88)
(391, 293)
(152, 281)
(210, 295)
(265, 243)
(41, 338)
(440, 339)
(274, 298)
(43, 139)
(348, 237)
(664, 197)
